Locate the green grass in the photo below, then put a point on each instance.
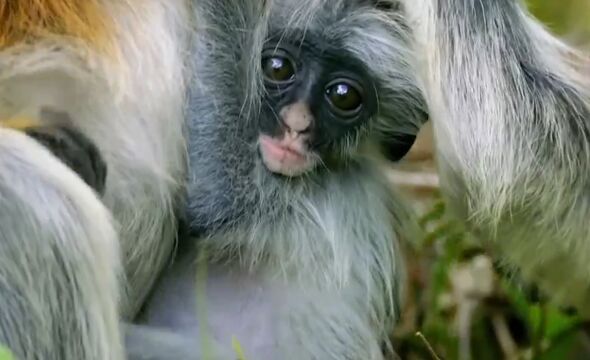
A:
(534, 329)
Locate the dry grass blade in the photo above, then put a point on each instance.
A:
(428, 346)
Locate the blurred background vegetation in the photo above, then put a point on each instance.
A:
(460, 305)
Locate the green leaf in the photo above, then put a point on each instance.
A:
(556, 321)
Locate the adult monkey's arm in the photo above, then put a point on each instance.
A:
(510, 105)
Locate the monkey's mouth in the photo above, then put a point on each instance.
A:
(286, 156)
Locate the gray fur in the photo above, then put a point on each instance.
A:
(232, 67)
(146, 343)
(323, 271)
(511, 109)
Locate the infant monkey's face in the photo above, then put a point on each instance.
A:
(316, 104)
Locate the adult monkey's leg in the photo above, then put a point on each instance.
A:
(116, 67)
(59, 259)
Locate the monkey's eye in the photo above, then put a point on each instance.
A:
(345, 97)
(278, 69)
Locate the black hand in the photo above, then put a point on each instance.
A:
(75, 150)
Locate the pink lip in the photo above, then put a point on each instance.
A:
(285, 156)
(280, 151)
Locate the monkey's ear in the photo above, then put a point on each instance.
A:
(397, 145)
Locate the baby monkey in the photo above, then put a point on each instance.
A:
(297, 226)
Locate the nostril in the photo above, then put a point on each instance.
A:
(297, 131)
(299, 124)
(305, 130)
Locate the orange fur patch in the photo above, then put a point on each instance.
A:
(19, 123)
(29, 20)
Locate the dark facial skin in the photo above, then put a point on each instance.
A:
(316, 98)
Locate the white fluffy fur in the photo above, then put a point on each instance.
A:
(131, 107)
(56, 236)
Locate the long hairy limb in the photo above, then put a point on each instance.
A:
(510, 105)
(59, 259)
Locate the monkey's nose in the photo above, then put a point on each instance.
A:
(297, 117)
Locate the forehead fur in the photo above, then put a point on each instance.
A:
(374, 34)
(29, 20)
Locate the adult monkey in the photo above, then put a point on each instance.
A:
(117, 68)
(511, 111)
